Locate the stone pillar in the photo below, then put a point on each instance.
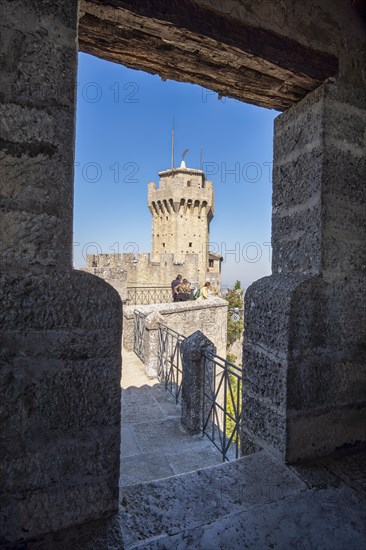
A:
(128, 329)
(304, 353)
(193, 380)
(61, 330)
(151, 343)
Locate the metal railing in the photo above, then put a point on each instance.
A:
(170, 361)
(148, 295)
(222, 404)
(138, 334)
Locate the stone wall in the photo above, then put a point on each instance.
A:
(60, 329)
(141, 271)
(209, 316)
(304, 357)
(115, 276)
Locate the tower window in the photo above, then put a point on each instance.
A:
(210, 263)
(163, 245)
(189, 183)
(190, 244)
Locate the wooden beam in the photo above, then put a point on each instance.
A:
(219, 53)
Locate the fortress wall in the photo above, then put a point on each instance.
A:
(141, 271)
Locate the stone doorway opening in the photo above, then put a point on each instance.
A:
(243, 177)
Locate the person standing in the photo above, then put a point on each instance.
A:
(183, 291)
(173, 285)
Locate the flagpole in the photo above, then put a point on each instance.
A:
(173, 145)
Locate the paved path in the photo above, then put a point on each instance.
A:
(154, 445)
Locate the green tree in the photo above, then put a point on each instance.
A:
(237, 285)
(231, 357)
(235, 327)
(233, 405)
(235, 321)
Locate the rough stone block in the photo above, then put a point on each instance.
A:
(296, 182)
(50, 461)
(40, 512)
(296, 238)
(351, 225)
(34, 240)
(69, 383)
(27, 180)
(37, 54)
(300, 127)
(316, 434)
(265, 376)
(267, 309)
(344, 253)
(346, 329)
(60, 429)
(324, 383)
(346, 92)
(266, 422)
(345, 123)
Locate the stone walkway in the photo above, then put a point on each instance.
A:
(153, 443)
(252, 503)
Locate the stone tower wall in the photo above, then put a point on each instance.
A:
(182, 208)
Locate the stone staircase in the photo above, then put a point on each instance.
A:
(253, 503)
(170, 512)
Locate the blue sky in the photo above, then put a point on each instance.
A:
(123, 139)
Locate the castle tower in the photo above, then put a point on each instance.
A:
(182, 208)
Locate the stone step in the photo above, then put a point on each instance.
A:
(253, 503)
(174, 506)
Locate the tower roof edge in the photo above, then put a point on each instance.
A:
(173, 171)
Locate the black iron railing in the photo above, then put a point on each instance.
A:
(138, 334)
(148, 295)
(170, 360)
(222, 404)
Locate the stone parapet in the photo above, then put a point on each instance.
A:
(209, 316)
(60, 387)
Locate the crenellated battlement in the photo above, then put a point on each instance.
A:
(182, 207)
